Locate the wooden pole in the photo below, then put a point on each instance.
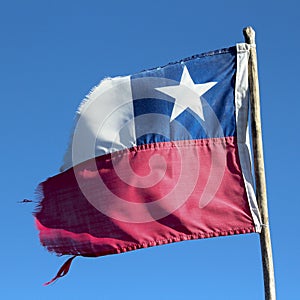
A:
(259, 169)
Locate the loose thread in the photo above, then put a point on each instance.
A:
(25, 201)
(62, 271)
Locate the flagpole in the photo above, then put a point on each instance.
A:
(259, 169)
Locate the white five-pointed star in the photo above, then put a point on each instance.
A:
(187, 94)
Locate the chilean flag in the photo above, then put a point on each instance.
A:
(157, 157)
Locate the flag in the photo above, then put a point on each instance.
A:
(157, 157)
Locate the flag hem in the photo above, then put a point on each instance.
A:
(136, 246)
(242, 110)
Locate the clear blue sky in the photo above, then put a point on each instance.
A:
(52, 53)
